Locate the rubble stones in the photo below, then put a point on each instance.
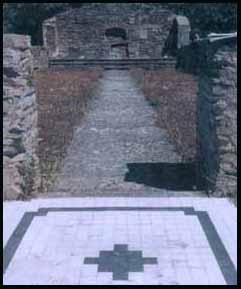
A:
(20, 114)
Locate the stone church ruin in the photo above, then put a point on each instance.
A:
(107, 31)
(55, 82)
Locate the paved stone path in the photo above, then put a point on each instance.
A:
(125, 241)
(118, 241)
(118, 129)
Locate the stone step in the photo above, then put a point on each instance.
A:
(145, 192)
(112, 64)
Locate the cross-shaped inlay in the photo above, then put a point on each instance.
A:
(120, 262)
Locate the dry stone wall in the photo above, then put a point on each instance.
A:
(81, 33)
(215, 64)
(20, 162)
(40, 111)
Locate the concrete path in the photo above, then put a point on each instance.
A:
(126, 241)
(118, 129)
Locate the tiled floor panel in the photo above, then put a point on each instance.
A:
(83, 241)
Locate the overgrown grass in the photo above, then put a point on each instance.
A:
(62, 97)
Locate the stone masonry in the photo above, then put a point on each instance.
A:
(20, 162)
(88, 32)
(217, 124)
(40, 57)
(215, 64)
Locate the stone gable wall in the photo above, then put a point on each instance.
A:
(80, 33)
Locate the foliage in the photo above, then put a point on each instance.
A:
(27, 18)
(208, 17)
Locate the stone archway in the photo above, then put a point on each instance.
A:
(118, 43)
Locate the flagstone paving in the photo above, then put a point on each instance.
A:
(119, 128)
(127, 241)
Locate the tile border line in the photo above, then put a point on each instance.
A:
(222, 257)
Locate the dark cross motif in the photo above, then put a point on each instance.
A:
(120, 262)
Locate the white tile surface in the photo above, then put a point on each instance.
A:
(54, 247)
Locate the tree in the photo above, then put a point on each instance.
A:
(208, 17)
(27, 18)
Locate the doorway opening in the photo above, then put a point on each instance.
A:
(118, 43)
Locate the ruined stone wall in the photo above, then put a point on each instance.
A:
(217, 123)
(20, 162)
(40, 57)
(80, 33)
(50, 38)
(215, 64)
